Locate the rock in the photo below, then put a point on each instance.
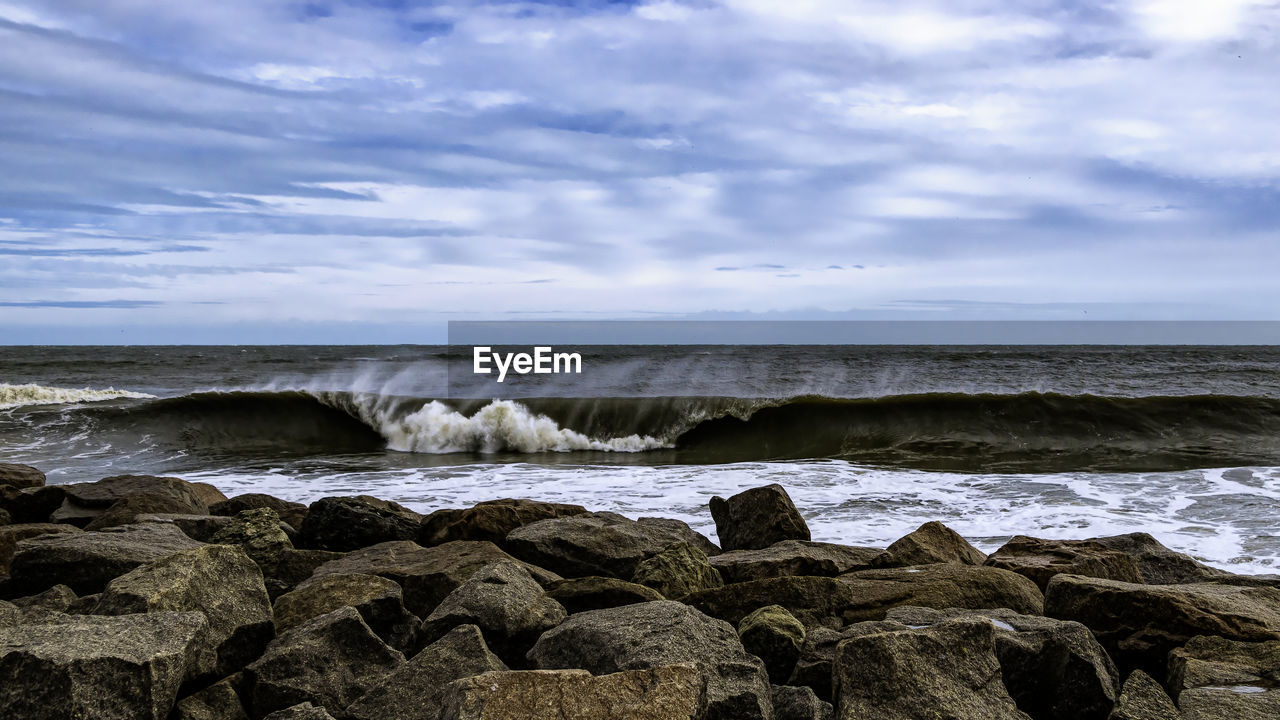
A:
(84, 502)
(87, 561)
(10, 615)
(1134, 558)
(650, 635)
(294, 567)
(301, 711)
(792, 557)
(19, 476)
(948, 670)
(598, 543)
(197, 527)
(757, 518)
(379, 601)
(492, 520)
(105, 668)
(775, 636)
(799, 703)
(1140, 624)
(330, 661)
(427, 575)
(508, 606)
(351, 523)
(678, 570)
(126, 511)
(1142, 698)
(1053, 669)
(11, 534)
(256, 531)
(219, 701)
(219, 581)
(53, 601)
(868, 594)
(817, 656)
(930, 543)
(1212, 677)
(596, 593)
(208, 494)
(290, 512)
(415, 690)
(673, 692)
(31, 505)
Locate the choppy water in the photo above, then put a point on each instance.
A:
(870, 441)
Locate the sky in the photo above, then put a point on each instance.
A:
(365, 170)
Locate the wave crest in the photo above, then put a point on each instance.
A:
(12, 396)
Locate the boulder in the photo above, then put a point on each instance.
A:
(1212, 677)
(54, 601)
(654, 634)
(792, 557)
(1140, 624)
(817, 656)
(127, 511)
(11, 534)
(1134, 558)
(597, 593)
(219, 581)
(378, 600)
(948, 670)
(208, 494)
(87, 561)
(292, 568)
(19, 476)
(330, 661)
(799, 703)
(1142, 698)
(492, 520)
(290, 512)
(219, 701)
(350, 523)
(508, 606)
(426, 574)
(257, 531)
(869, 594)
(599, 543)
(85, 502)
(301, 711)
(105, 668)
(680, 569)
(1053, 669)
(930, 543)
(196, 527)
(672, 692)
(757, 518)
(775, 636)
(31, 505)
(415, 690)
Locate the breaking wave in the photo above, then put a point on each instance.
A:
(12, 396)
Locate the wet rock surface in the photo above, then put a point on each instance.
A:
(757, 518)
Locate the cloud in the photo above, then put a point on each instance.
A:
(345, 162)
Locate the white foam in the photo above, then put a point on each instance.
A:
(12, 396)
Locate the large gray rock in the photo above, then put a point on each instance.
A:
(492, 520)
(11, 534)
(132, 509)
(1217, 678)
(599, 543)
(329, 661)
(127, 496)
(1053, 669)
(1134, 558)
(948, 670)
(930, 543)
(87, 561)
(1142, 698)
(757, 518)
(196, 527)
(597, 593)
(792, 557)
(799, 703)
(31, 505)
(258, 532)
(20, 476)
(378, 600)
(105, 668)
(415, 690)
(508, 606)
(1140, 624)
(351, 523)
(219, 701)
(290, 512)
(672, 692)
(294, 567)
(869, 594)
(219, 581)
(650, 635)
(775, 636)
(52, 602)
(678, 570)
(817, 657)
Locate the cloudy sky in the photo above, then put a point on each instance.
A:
(346, 170)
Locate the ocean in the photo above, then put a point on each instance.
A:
(870, 441)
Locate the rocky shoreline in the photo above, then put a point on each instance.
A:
(151, 597)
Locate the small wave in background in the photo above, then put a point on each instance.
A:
(12, 396)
